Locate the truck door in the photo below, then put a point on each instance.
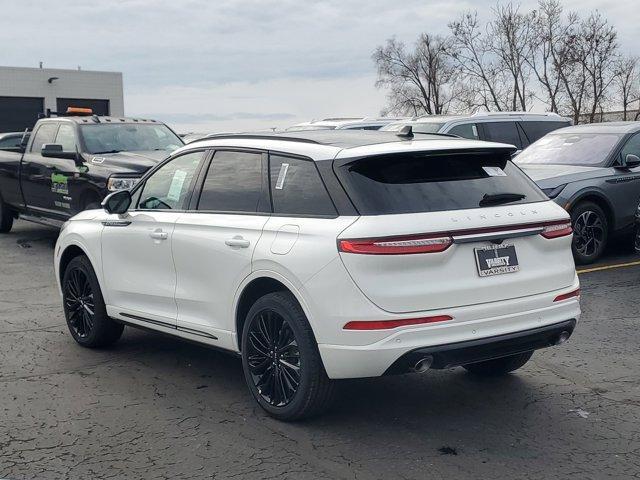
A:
(36, 184)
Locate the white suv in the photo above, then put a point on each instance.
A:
(326, 255)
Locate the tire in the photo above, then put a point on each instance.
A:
(6, 217)
(590, 232)
(277, 318)
(499, 366)
(81, 292)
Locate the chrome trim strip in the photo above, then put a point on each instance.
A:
(192, 331)
(478, 237)
(116, 223)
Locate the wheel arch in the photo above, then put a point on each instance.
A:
(69, 253)
(599, 199)
(256, 286)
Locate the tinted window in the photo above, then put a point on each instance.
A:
(589, 149)
(421, 182)
(169, 186)
(537, 130)
(46, 133)
(66, 137)
(297, 189)
(503, 132)
(10, 142)
(234, 183)
(468, 130)
(631, 147)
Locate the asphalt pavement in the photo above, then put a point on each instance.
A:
(157, 407)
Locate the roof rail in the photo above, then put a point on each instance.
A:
(249, 136)
(490, 114)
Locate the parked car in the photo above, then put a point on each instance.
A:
(516, 128)
(325, 255)
(71, 163)
(592, 171)
(343, 123)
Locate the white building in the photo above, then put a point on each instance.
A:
(27, 92)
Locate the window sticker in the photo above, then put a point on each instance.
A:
(281, 176)
(176, 185)
(494, 171)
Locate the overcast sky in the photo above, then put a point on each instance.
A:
(219, 65)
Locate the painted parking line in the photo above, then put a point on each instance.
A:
(609, 267)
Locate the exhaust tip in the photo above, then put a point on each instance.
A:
(563, 337)
(423, 364)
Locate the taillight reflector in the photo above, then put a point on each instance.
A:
(396, 245)
(388, 324)
(558, 229)
(567, 296)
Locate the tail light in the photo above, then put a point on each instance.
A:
(389, 324)
(557, 229)
(567, 296)
(396, 245)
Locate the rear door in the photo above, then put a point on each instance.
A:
(424, 241)
(138, 266)
(213, 243)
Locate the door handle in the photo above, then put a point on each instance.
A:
(237, 241)
(158, 234)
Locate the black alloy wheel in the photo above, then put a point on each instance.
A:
(273, 358)
(281, 361)
(590, 232)
(84, 307)
(79, 303)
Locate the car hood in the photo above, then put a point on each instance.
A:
(134, 162)
(549, 175)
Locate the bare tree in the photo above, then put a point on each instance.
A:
(627, 81)
(510, 36)
(419, 81)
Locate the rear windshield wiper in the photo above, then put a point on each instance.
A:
(499, 198)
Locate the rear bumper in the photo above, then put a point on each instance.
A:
(463, 353)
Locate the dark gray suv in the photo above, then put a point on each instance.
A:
(593, 172)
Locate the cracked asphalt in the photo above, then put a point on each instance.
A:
(157, 407)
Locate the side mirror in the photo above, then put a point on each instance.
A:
(117, 202)
(631, 160)
(55, 150)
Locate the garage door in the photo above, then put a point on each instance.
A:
(99, 107)
(18, 113)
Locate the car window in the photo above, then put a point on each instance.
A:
(169, 187)
(587, 149)
(66, 137)
(46, 133)
(536, 130)
(631, 147)
(502, 132)
(427, 182)
(10, 142)
(235, 183)
(467, 130)
(297, 189)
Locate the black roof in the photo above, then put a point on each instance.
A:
(335, 138)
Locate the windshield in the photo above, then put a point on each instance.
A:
(586, 149)
(416, 127)
(128, 137)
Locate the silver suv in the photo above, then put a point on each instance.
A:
(515, 128)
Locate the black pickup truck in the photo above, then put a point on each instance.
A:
(70, 163)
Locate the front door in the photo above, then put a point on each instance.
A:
(624, 186)
(139, 273)
(213, 245)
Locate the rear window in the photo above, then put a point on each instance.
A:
(392, 184)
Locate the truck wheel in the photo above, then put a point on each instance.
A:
(499, 366)
(590, 232)
(6, 217)
(84, 307)
(280, 359)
